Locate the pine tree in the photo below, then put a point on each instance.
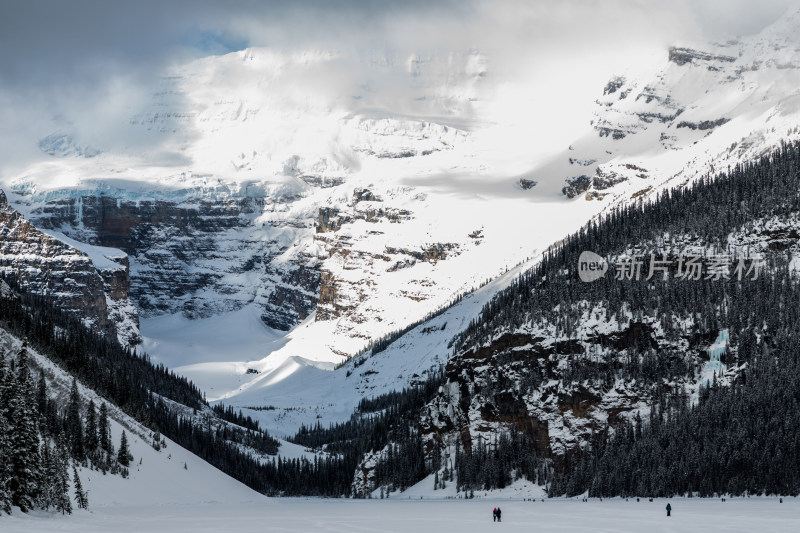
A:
(41, 399)
(92, 440)
(103, 430)
(24, 457)
(124, 455)
(50, 473)
(5, 439)
(80, 496)
(61, 499)
(75, 424)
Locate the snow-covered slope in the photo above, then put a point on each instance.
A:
(302, 391)
(169, 476)
(709, 106)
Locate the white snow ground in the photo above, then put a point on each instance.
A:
(424, 516)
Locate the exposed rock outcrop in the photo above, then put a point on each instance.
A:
(576, 186)
(682, 56)
(703, 124)
(200, 257)
(45, 265)
(329, 220)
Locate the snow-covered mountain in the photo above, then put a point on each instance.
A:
(281, 195)
(288, 218)
(707, 107)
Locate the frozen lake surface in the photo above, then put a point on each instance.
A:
(422, 516)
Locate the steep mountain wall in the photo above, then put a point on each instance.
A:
(200, 257)
(69, 277)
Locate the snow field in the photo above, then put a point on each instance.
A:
(424, 516)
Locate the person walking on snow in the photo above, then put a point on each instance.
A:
(499, 515)
(669, 509)
(494, 514)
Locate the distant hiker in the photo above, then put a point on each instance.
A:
(669, 509)
(494, 514)
(781, 500)
(637, 499)
(499, 515)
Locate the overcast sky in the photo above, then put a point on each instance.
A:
(46, 40)
(66, 59)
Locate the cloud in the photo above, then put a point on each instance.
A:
(50, 40)
(721, 19)
(89, 66)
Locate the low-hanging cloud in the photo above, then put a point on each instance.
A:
(89, 66)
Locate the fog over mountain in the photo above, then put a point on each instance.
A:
(87, 67)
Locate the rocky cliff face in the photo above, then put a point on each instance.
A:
(199, 257)
(45, 265)
(289, 251)
(493, 387)
(682, 56)
(362, 261)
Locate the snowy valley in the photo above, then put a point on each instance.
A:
(365, 285)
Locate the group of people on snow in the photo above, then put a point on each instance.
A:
(496, 514)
